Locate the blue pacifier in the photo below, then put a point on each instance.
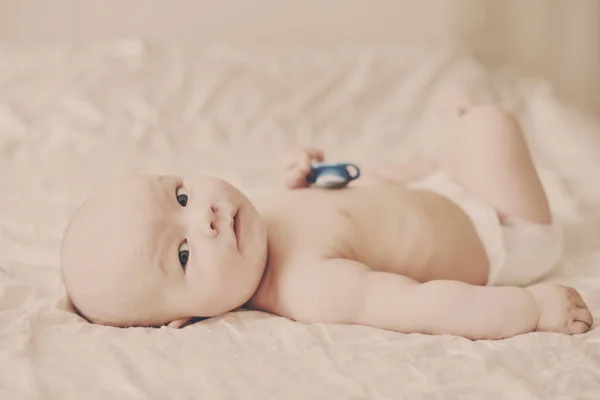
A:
(332, 176)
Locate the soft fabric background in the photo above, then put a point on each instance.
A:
(222, 87)
(70, 119)
(557, 39)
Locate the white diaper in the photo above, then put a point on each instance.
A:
(519, 251)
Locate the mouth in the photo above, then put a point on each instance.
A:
(236, 228)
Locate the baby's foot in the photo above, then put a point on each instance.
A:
(296, 165)
(561, 309)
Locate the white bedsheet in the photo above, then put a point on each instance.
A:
(72, 119)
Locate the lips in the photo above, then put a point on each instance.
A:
(236, 227)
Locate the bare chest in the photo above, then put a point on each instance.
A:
(419, 235)
(366, 225)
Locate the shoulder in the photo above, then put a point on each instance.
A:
(312, 290)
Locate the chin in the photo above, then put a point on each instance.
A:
(251, 282)
(256, 252)
(227, 306)
(235, 290)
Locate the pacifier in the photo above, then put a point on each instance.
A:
(332, 176)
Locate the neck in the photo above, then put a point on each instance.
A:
(259, 299)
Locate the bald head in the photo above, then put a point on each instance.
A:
(151, 250)
(105, 245)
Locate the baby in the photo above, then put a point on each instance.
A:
(444, 248)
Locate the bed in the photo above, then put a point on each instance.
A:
(73, 118)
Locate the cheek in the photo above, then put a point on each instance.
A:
(214, 268)
(224, 265)
(217, 283)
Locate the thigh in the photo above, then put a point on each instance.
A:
(490, 158)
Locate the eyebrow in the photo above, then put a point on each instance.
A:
(162, 244)
(159, 238)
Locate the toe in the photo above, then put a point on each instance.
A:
(583, 315)
(578, 327)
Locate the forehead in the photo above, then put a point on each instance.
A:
(133, 201)
(130, 207)
(118, 225)
(110, 247)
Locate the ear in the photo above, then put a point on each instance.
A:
(178, 323)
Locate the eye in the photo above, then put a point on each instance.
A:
(182, 197)
(184, 254)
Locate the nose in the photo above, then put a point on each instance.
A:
(203, 220)
(210, 224)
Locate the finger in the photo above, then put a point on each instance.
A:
(583, 315)
(288, 161)
(304, 161)
(301, 172)
(296, 178)
(295, 183)
(294, 161)
(313, 154)
(578, 327)
(317, 155)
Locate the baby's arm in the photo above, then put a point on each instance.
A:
(295, 165)
(347, 292)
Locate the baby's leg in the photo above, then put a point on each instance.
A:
(488, 155)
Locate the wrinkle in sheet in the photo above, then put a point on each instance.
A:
(71, 119)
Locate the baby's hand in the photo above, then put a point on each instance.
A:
(561, 309)
(296, 165)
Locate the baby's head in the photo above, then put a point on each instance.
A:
(154, 250)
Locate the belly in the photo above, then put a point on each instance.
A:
(417, 234)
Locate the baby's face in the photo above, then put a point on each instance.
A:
(152, 250)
